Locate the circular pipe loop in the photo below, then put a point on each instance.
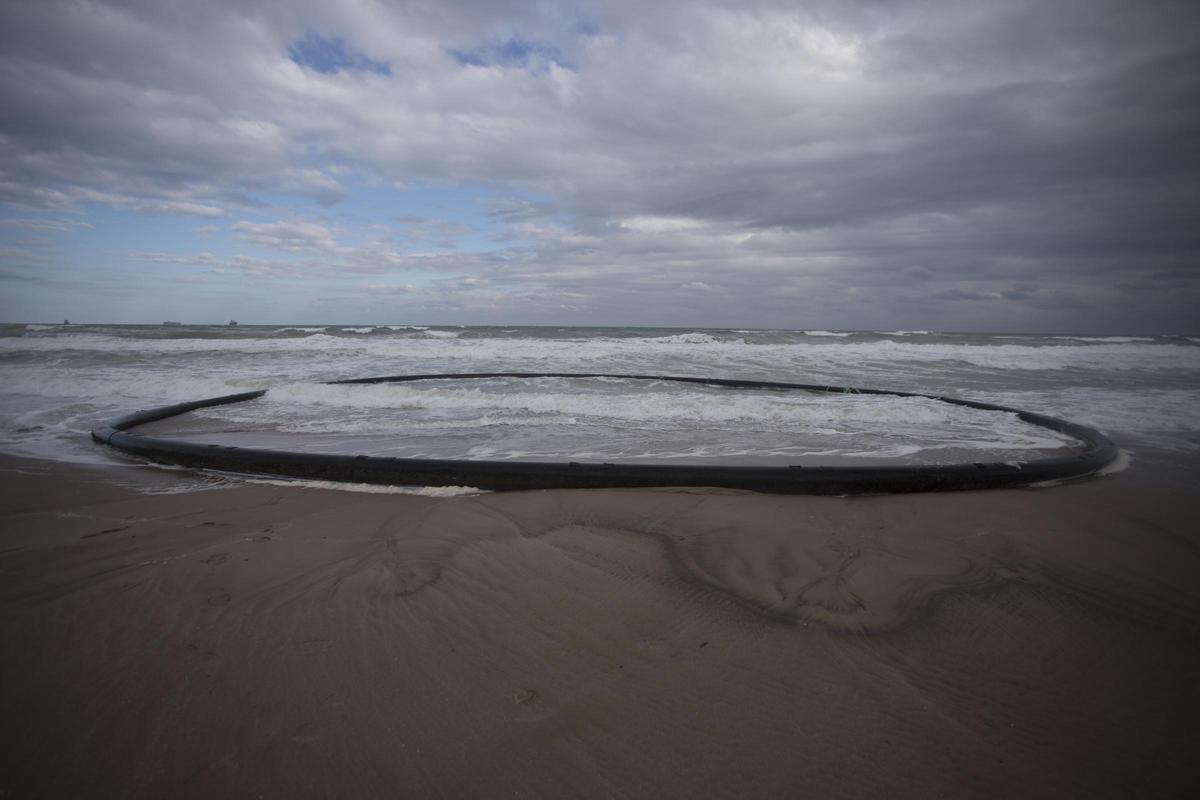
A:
(1096, 453)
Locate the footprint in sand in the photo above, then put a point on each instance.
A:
(215, 560)
(524, 696)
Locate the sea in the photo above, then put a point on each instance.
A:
(57, 382)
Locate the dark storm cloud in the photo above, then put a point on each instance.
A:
(832, 164)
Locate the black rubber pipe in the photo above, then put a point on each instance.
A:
(1095, 452)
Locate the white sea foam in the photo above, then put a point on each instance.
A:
(784, 360)
(836, 334)
(1122, 462)
(694, 337)
(557, 407)
(1167, 419)
(57, 384)
(369, 488)
(1107, 339)
(684, 406)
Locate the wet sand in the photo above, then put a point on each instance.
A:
(268, 641)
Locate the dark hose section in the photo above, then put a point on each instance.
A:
(1096, 452)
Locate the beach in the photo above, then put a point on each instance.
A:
(280, 641)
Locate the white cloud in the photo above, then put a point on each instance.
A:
(55, 225)
(650, 224)
(290, 236)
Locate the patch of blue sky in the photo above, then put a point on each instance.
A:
(118, 229)
(513, 52)
(132, 249)
(115, 233)
(98, 242)
(22, 223)
(95, 240)
(329, 55)
(586, 27)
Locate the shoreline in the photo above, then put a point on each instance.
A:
(276, 640)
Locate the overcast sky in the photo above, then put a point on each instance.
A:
(1019, 166)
